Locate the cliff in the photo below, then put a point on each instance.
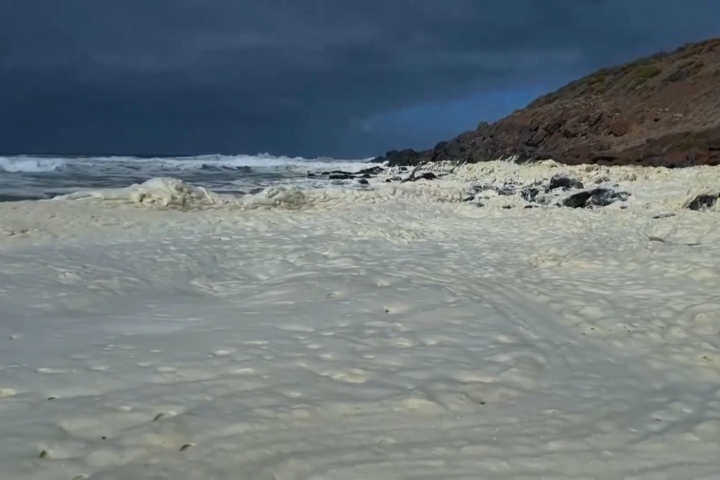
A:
(662, 110)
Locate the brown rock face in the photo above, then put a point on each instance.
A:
(662, 110)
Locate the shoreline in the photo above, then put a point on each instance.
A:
(493, 188)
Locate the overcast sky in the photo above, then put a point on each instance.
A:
(344, 78)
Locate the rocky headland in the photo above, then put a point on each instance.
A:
(662, 110)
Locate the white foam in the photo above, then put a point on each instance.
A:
(337, 334)
(30, 164)
(164, 191)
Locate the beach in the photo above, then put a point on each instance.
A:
(393, 331)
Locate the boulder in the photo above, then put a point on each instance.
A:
(702, 202)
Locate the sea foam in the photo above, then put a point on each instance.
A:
(392, 332)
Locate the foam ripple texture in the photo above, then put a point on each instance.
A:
(390, 333)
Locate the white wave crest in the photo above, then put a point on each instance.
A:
(256, 162)
(266, 161)
(30, 164)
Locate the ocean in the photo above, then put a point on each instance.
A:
(33, 177)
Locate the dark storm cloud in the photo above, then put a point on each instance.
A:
(294, 76)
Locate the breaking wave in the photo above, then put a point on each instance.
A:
(30, 164)
(262, 161)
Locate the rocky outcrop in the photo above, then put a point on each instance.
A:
(662, 110)
(360, 176)
(703, 201)
(560, 190)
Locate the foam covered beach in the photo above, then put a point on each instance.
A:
(396, 331)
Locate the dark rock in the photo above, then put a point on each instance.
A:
(425, 176)
(371, 171)
(538, 138)
(506, 190)
(451, 150)
(602, 197)
(529, 194)
(576, 200)
(561, 181)
(403, 158)
(619, 127)
(598, 197)
(340, 176)
(362, 181)
(599, 192)
(702, 201)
